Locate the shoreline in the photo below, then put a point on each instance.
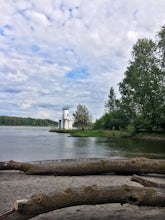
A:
(16, 185)
(147, 137)
(108, 134)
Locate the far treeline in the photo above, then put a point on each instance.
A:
(19, 121)
(141, 107)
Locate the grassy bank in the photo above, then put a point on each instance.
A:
(109, 134)
(153, 136)
(94, 133)
(100, 133)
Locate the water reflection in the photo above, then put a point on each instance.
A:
(32, 143)
(128, 147)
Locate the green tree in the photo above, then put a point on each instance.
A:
(18, 121)
(141, 89)
(142, 102)
(161, 47)
(110, 105)
(82, 116)
(161, 55)
(103, 122)
(114, 120)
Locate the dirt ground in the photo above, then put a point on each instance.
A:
(16, 185)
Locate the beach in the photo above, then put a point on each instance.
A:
(15, 185)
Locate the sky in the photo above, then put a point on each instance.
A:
(58, 53)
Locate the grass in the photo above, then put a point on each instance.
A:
(94, 133)
(150, 136)
(109, 134)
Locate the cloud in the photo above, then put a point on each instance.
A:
(43, 114)
(66, 52)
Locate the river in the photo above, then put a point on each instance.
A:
(37, 143)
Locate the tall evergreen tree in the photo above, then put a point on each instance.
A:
(110, 105)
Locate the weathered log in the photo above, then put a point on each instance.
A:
(6, 214)
(122, 166)
(11, 165)
(87, 195)
(127, 166)
(147, 183)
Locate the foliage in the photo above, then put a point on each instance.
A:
(82, 116)
(142, 103)
(102, 122)
(111, 103)
(161, 47)
(99, 133)
(142, 89)
(115, 120)
(131, 129)
(19, 121)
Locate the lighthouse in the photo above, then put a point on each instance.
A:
(66, 121)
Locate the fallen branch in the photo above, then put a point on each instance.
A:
(87, 195)
(97, 166)
(147, 183)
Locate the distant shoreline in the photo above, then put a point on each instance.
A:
(22, 121)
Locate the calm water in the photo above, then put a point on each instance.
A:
(37, 143)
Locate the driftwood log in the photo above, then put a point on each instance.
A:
(152, 194)
(87, 195)
(89, 167)
(147, 183)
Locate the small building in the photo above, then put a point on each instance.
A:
(66, 122)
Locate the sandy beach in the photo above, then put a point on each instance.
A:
(16, 185)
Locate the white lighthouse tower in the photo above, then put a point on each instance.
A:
(66, 121)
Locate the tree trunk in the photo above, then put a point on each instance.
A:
(87, 195)
(90, 167)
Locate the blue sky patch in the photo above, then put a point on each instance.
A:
(4, 28)
(48, 61)
(21, 12)
(77, 73)
(8, 27)
(12, 90)
(2, 32)
(35, 48)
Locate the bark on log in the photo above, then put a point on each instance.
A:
(12, 165)
(87, 195)
(147, 183)
(122, 166)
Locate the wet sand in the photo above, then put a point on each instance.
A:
(16, 185)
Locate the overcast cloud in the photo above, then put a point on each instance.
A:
(57, 53)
